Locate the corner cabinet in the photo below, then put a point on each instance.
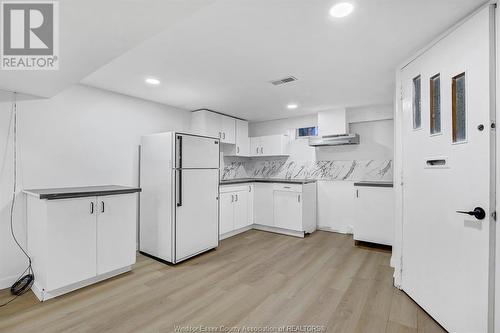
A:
(284, 208)
(208, 123)
(270, 145)
(78, 241)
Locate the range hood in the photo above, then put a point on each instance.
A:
(334, 140)
(333, 130)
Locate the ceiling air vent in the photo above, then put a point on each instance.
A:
(284, 80)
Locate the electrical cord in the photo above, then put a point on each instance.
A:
(24, 282)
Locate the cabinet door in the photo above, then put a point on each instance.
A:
(242, 140)
(288, 210)
(227, 127)
(255, 146)
(116, 232)
(226, 222)
(240, 209)
(263, 204)
(206, 123)
(71, 241)
(250, 204)
(375, 215)
(272, 145)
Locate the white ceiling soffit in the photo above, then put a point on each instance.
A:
(225, 56)
(92, 33)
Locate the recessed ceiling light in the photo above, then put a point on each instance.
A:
(292, 106)
(341, 9)
(152, 81)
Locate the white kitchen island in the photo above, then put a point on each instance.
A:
(80, 236)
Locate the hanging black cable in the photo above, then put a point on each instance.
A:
(24, 282)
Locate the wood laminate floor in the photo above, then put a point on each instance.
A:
(255, 279)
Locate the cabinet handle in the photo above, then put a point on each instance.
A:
(220, 135)
(232, 197)
(262, 150)
(237, 150)
(223, 135)
(102, 206)
(91, 208)
(257, 150)
(298, 198)
(286, 186)
(357, 193)
(236, 197)
(249, 188)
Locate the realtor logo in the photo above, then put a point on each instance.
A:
(30, 35)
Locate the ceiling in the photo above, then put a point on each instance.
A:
(92, 33)
(223, 57)
(221, 54)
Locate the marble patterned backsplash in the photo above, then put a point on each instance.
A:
(354, 170)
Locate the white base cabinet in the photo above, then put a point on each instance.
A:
(374, 209)
(77, 241)
(295, 207)
(234, 205)
(283, 208)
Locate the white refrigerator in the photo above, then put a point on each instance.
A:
(179, 203)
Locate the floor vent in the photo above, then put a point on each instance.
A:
(284, 80)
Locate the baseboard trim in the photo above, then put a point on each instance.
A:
(300, 234)
(235, 232)
(328, 229)
(44, 295)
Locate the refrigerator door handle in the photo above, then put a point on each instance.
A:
(179, 189)
(179, 151)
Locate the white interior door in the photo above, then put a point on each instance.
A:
(446, 168)
(197, 212)
(116, 231)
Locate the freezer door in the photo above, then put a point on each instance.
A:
(197, 213)
(195, 152)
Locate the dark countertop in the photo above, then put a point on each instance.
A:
(374, 184)
(266, 180)
(80, 192)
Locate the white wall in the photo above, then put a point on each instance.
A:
(83, 136)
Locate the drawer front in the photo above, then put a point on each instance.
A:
(288, 187)
(234, 188)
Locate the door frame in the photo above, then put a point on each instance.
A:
(397, 259)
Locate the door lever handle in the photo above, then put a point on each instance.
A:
(478, 213)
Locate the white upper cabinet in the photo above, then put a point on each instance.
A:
(242, 139)
(270, 145)
(227, 129)
(213, 124)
